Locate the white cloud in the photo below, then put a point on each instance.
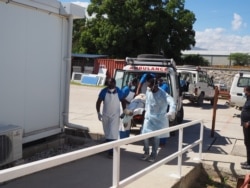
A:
(237, 22)
(83, 4)
(217, 40)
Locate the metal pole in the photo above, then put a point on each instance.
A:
(180, 149)
(116, 166)
(201, 137)
(216, 93)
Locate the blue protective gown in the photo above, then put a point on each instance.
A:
(156, 108)
(128, 95)
(164, 87)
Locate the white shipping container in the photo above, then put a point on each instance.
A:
(35, 51)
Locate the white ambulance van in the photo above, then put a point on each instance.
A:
(155, 64)
(241, 80)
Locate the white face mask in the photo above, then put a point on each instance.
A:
(132, 88)
(112, 90)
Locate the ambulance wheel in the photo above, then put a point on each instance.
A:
(180, 115)
(200, 99)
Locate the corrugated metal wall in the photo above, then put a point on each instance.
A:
(110, 64)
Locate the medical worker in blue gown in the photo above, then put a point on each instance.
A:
(142, 85)
(129, 94)
(156, 116)
(112, 97)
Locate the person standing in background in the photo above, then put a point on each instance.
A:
(129, 90)
(112, 98)
(142, 85)
(156, 116)
(245, 123)
(164, 86)
(129, 94)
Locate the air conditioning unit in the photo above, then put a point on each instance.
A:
(10, 143)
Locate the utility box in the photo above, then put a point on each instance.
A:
(10, 143)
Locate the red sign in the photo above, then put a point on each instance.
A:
(148, 68)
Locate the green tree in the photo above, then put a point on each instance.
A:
(240, 59)
(78, 26)
(123, 28)
(195, 60)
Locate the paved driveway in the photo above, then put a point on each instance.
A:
(224, 151)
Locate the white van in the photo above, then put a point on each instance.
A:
(241, 80)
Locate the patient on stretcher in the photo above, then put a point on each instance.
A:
(136, 107)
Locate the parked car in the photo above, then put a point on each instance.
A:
(223, 90)
(196, 84)
(241, 80)
(221, 86)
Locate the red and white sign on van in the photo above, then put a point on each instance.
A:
(147, 68)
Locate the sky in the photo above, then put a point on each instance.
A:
(221, 25)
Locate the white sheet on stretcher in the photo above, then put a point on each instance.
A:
(137, 104)
(136, 107)
(138, 111)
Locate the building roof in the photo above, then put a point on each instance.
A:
(89, 55)
(215, 53)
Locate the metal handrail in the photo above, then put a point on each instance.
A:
(29, 168)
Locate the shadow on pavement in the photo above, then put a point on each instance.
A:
(206, 106)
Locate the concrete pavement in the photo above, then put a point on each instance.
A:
(223, 152)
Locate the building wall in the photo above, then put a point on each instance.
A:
(217, 60)
(110, 64)
(33, 49)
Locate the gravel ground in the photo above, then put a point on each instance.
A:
(50, 152)
(52, 147)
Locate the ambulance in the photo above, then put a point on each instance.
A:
(160, 66)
